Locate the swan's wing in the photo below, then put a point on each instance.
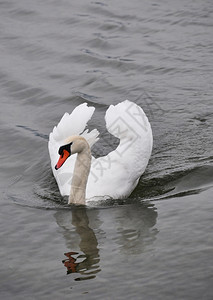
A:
(74, 123)
(117, 173)
(70, 124)
(128, 121)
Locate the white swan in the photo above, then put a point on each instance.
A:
(81, 176)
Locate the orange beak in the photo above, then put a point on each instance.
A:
(63, 157)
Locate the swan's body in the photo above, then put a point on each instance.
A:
(114, 175)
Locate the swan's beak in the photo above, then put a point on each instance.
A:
(63, 157)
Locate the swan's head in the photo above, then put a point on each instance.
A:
(74, 144)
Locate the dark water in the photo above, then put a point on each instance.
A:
(158, 243)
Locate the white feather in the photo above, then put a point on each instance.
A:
(116, 174)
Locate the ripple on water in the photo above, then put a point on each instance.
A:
(44, 192)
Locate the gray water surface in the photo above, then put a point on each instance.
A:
(55, 55)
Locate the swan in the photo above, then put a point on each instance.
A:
(81, 176)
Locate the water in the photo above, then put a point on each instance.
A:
(158, 243)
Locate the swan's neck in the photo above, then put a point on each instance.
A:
(80, 176)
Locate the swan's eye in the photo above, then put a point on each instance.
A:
(60, 151)
(65, 147)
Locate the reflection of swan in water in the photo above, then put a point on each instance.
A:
(129, 229)
(135, 228)
(86, 263)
